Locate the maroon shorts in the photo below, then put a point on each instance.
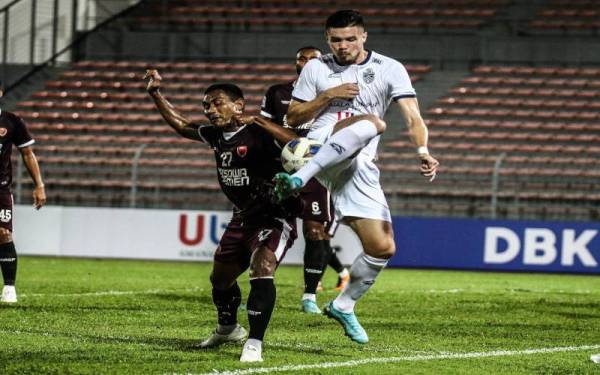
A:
(6, 210)
(241, 239)
(318, 205)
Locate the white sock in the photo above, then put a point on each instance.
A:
(344, 273)
(363, 273)
(254, 342)
(310, 296)
(340, 146)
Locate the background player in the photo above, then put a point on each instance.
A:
(261, 230)
(13, 131)
(317, 212)
(347, 93)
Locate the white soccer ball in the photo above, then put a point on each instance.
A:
(298, 152)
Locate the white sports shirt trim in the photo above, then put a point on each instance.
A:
(26, 144)
(285, 236)
(266, 114)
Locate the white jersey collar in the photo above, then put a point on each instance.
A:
(229, 135)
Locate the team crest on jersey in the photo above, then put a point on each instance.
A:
(242, 151)
(3, 132)
(368, 75)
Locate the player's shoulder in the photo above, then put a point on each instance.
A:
(12, 118)
(322, 62)
(208, 133)
(9, 115)
(279, 87)
(385, 61)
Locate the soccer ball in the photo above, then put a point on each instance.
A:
(298, 152)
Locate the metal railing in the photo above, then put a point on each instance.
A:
(56, 52)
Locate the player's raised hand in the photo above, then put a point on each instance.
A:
(154, 80)
(428, 166)
(344, 91)
(39, 197)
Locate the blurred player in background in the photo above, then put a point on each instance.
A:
(317, 215)
(261, 230)
(347, 93)
(14, 132)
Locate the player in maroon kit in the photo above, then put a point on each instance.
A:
(14, 132)
(318, 214)
(261, 230)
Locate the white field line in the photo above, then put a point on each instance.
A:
(411, 358)
(110, 293)
(196, 289)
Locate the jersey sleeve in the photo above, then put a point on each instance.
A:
(21, 137)
(269, 144)
(306, 87)
(267, 108)
(399, 82)
(207, 134)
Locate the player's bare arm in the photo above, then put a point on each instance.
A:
(31, 163)
(281, 134)
(419, 134)
(301, 113)
(172, 116)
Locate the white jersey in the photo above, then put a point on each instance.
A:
(381, 80)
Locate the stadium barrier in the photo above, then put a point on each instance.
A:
(501, 245)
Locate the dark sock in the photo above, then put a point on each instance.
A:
(316, 255)
(8, 262)
(261, 302)
(334, 261)
(227, 302)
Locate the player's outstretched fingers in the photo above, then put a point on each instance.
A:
(429, 166)
(39, 199)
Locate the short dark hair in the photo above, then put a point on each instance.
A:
(344, 18)
(308, 47)
(233, 91)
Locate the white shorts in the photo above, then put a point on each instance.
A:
(355, 189)
(353, 184)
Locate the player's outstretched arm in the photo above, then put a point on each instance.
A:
(419, 135)
(281, 134)
(300, 113)
(172, 116)
(31, 163)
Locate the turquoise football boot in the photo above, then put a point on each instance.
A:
(351, 325)
(286, 185)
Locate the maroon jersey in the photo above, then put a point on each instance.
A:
(12, 132)
(275, 105)
(247, 161)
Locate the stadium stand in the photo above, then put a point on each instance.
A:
(91, 120)
(545, 122)
(569, 17)
(289, 15)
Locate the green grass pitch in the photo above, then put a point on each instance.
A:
(108, 316)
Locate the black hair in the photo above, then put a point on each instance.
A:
(308, 47)
(233, 91)
(344, 18)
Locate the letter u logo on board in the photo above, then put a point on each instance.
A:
(183, 235)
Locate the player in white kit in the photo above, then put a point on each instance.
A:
(347, 93)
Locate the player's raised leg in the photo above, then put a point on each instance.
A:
(349, 137)
(226, 296)
(377, 239)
